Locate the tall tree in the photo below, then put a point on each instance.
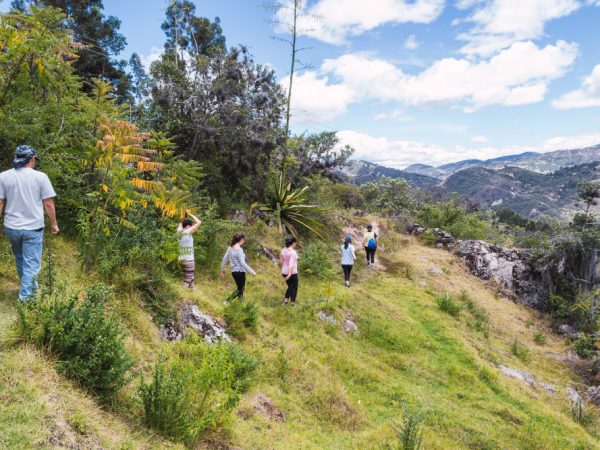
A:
(99, 39)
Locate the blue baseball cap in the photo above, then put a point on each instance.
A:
(23, 154)
(348, 239)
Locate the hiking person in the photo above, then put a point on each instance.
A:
(370, 239)
(24, 194)
(289, 270)
(188, 226)
(348, 257)
(237, 260)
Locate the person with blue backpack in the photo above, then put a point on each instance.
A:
(370, 239)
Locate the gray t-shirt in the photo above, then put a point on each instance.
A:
(24, 191)
(347, 255)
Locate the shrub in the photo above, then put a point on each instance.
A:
(241, 317)
(410, 434)
(195, 387)
(539, 338)
(429, 238)
(448, 304)
(585, 346)
(315, 261)
(89, 343)
(346, 196)
(454, 219)
(520, 351)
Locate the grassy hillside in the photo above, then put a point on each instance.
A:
(335, 390)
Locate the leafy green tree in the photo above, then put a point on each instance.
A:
(99, 41)
(389, 195)
(589, 194)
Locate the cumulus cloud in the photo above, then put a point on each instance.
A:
(333, 21)
(480, 138)
(586, 96)
(149, 58)
(500, 23)
(518, 75)
(402, 153)
(411, 43)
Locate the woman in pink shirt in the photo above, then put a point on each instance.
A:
(289, 270)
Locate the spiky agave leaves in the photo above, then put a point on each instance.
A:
(290, 208)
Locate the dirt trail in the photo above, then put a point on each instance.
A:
(357, 239)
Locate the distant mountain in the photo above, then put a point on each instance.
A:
(524, 191)
(424, 169)
(360, 172)
(460, 165)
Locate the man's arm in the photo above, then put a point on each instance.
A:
(51, 211)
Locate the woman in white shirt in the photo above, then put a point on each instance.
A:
(348, 257)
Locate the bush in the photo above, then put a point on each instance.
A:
(585, 346)
(195, 387)
(410, 434)
(448, 304)
(454, 220)
(241, 317)
(346, 196)
(520, 351)
(89, 344)
(315, 261)
(539, 338)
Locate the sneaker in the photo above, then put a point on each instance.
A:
(293, 304)
(347, 284)
(285, 301)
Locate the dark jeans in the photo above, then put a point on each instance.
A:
(347, 268)
(240, 282)
(292, 290)
(370, 254)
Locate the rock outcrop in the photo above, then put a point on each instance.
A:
(443, 239)
(190, 317)
(507, 267)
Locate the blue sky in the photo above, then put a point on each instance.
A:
(428, 81)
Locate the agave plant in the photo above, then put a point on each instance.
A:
(290, 208)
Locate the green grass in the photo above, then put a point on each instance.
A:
(336, 390)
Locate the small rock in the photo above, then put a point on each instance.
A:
(240, 217)
(548, 388)
(423, 283)
(267, 409)
(518, 374)
(424, 258)
(592, 395)
(574, 396)
(349, 326)
(436, 272)
(564, 329)
(326, 317)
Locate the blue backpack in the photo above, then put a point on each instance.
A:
(372, 244)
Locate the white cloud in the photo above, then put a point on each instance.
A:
(396, 115)
(339, 19)
(148, 59)
(518, 75)
(402, 153)
(411, 43)
(500, 23)
(480, 139)
(586, 96)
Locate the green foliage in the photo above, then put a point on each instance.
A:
(389, 196)
(241, 317)
(453, 219)
(520, 351)
(316, 260)
(194, 387)
(585, 346)
(579, 414)
(88, 342)
(429, 237)
(346, 195)
(289, 207)
(449, 304)
(410, 433)
(479, 315)
(540, 338)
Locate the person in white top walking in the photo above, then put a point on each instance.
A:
(348, 257)
(24, 194)
(185, 230)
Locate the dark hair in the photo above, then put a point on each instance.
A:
(369, 227)
(237, 237)
(347, 241)
(289, 241)
(187, 222)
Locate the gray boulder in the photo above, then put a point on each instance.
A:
(324, 317)
(190, 317)
(349, 326)
(518, 374)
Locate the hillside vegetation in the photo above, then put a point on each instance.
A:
(335, 390)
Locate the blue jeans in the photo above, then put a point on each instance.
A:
(27, 248)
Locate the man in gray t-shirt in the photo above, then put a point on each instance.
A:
(24, 194)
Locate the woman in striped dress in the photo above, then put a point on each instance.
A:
(185, 230)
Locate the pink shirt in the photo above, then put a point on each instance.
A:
(289, 259)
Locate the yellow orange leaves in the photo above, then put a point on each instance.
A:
(147, 166)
